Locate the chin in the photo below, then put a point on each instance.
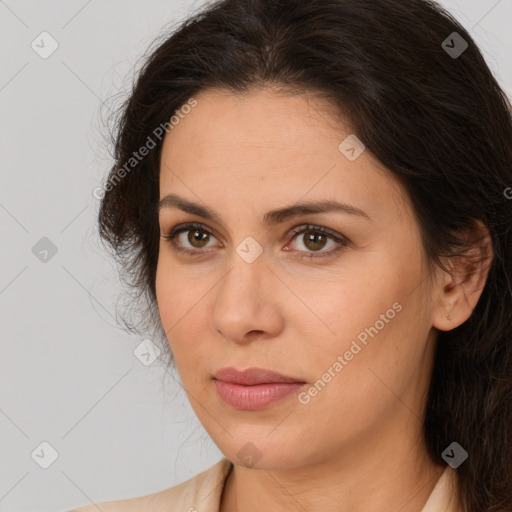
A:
(260, 450)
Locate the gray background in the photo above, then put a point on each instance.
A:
(68, 375)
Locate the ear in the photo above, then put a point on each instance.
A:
(460, 289)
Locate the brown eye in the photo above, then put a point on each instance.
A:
(314, 240)
(190, 239)
(197, 238)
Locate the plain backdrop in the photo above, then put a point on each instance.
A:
(72, 394)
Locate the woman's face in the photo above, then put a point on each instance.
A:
(346, 313)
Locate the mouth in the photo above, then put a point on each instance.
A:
(254, 388)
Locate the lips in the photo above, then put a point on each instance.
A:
(252, 376)
(254, 388)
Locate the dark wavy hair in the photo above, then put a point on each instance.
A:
(439, 121)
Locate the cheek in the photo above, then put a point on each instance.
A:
(175, 292)
(169, 295)
(368, 317)
(373, 373)
(182, 315)
(343, 303)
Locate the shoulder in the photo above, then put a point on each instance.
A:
(201, 492)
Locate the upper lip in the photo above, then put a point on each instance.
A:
(251, 376)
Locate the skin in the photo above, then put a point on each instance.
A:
(357, 445)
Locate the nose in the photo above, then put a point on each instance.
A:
(246, 307)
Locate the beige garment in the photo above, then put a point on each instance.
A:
(202, 493)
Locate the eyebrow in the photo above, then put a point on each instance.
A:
(270, 218)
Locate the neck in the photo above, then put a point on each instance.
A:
(388, 471)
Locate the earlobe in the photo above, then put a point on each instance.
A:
(461, 289)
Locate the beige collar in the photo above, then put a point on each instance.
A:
(444, 495)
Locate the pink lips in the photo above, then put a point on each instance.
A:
(254, 388)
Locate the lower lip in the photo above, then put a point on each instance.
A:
(251, 398)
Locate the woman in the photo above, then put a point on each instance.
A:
(312, 199)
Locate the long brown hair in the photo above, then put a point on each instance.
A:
(425, 105)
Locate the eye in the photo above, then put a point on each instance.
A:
(315, 238)
(194, 234)
(192, 238)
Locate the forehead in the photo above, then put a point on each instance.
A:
(268, 146)
(263, 116)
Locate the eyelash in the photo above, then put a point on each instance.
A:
(297, 231)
